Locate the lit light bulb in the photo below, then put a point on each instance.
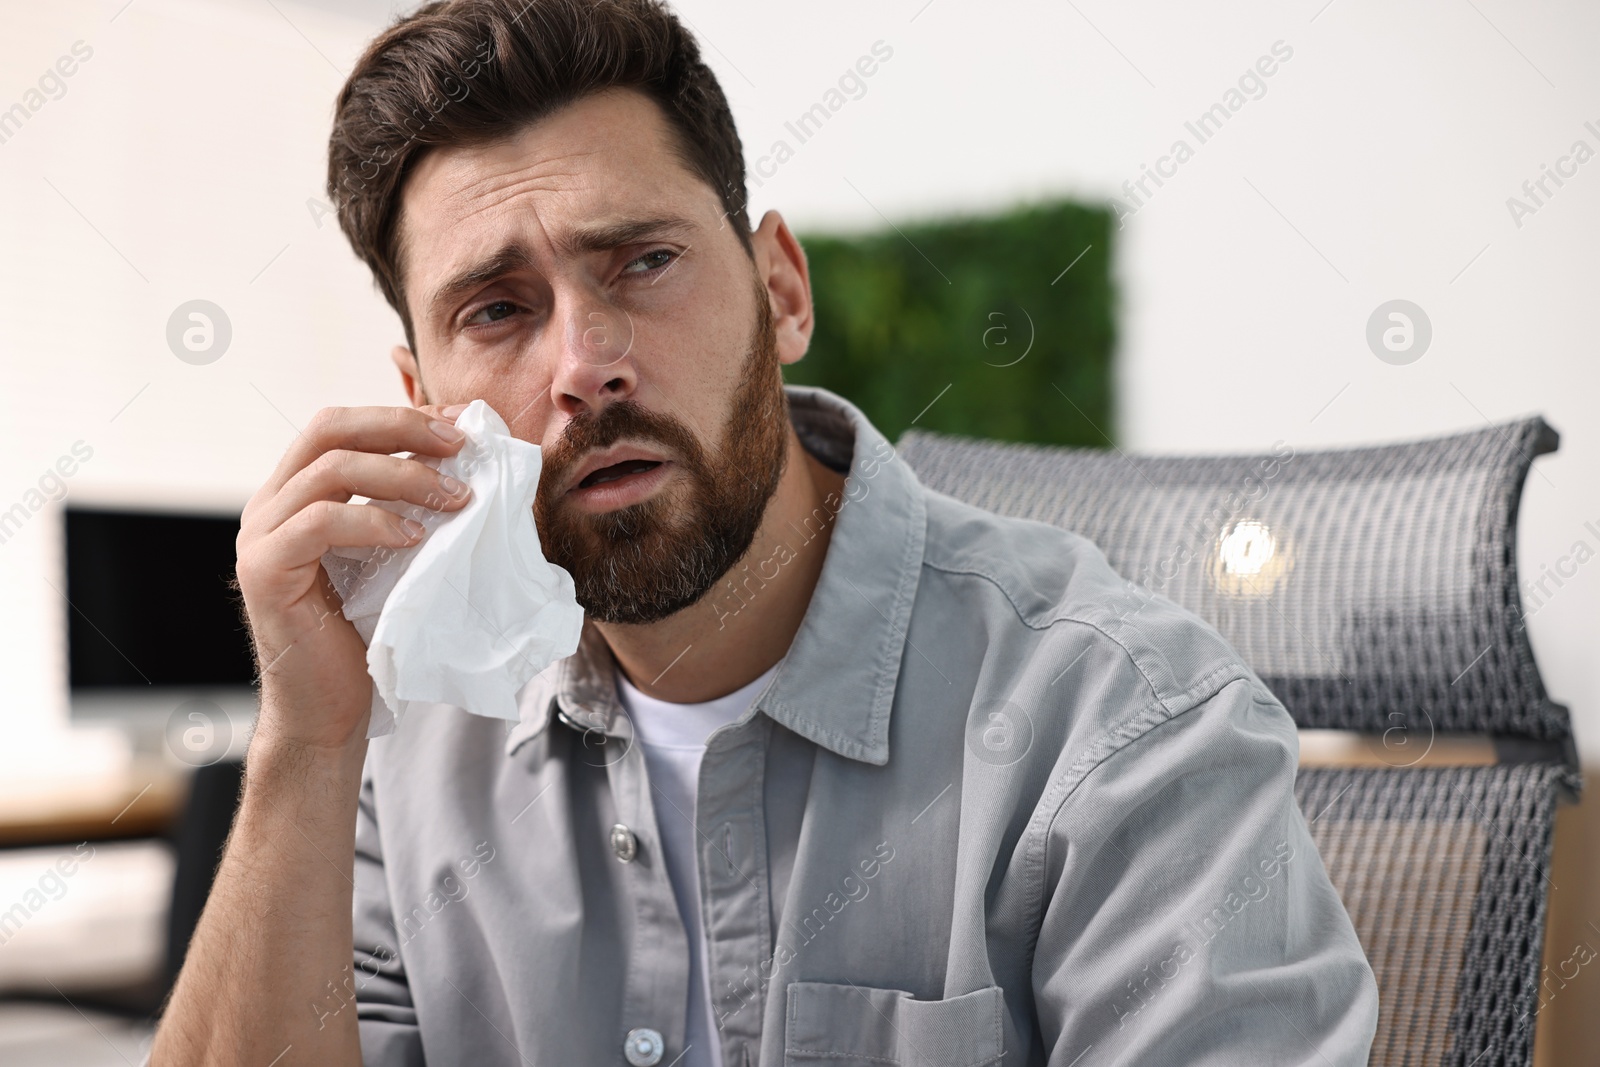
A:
(1248, 559)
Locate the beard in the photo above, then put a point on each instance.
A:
(646, 561)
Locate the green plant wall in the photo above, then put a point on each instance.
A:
(1013, 313)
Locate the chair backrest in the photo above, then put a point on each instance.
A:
(1367, 587)
(1445, 872)
(1358, 583)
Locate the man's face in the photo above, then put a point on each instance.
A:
(584, 283)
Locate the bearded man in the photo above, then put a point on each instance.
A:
(843, 771)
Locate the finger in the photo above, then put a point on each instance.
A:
(380, 430)
(449, 412)
(324, 524)
(342, 474)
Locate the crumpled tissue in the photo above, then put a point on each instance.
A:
(469, 614)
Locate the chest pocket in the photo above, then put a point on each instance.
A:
(843, 1025)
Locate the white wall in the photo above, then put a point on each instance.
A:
(1377, 165)
(188, 151)
(177, 165)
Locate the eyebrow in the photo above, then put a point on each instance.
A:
(513, 257)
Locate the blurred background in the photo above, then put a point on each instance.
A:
(1165, 227)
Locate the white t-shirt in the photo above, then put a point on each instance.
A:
(673, 738)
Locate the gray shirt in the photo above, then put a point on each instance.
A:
(997, 805)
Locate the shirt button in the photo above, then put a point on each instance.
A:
(626, 846)
(644, 1047)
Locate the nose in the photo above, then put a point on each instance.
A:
(595, 366)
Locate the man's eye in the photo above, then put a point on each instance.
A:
(651, 261)
(495, 312)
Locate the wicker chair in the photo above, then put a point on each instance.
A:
(1374, 590)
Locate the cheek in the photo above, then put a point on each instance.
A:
(525, 406)
(699, 357)
(677, 372)
(520, 396)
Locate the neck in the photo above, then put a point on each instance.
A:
(746, 622)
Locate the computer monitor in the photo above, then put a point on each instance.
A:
(155, 639)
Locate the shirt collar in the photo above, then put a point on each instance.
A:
(836, 684)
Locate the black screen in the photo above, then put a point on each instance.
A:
(150, 601)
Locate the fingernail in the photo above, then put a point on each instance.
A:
(445, 430)
(453, 410)
(451, 486)
(413, 528)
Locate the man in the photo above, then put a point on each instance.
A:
(843, 771)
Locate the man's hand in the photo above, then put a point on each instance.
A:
(314, 686)
(276, 931)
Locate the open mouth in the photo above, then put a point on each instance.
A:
(618, 470)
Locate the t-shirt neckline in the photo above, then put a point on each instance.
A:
(662, 724)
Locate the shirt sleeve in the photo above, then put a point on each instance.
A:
(384, 1010)
(1188, 918)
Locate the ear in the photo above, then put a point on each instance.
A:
(410, 374)
(781, 263)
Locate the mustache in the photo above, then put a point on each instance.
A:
(620, 419)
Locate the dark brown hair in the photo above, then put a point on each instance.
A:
(472, 72)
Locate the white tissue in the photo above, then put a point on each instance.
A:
(471, 613)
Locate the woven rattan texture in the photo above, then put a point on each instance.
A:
(1371, 588)
(1445, 874)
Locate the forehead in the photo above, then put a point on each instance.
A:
(610, 155)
